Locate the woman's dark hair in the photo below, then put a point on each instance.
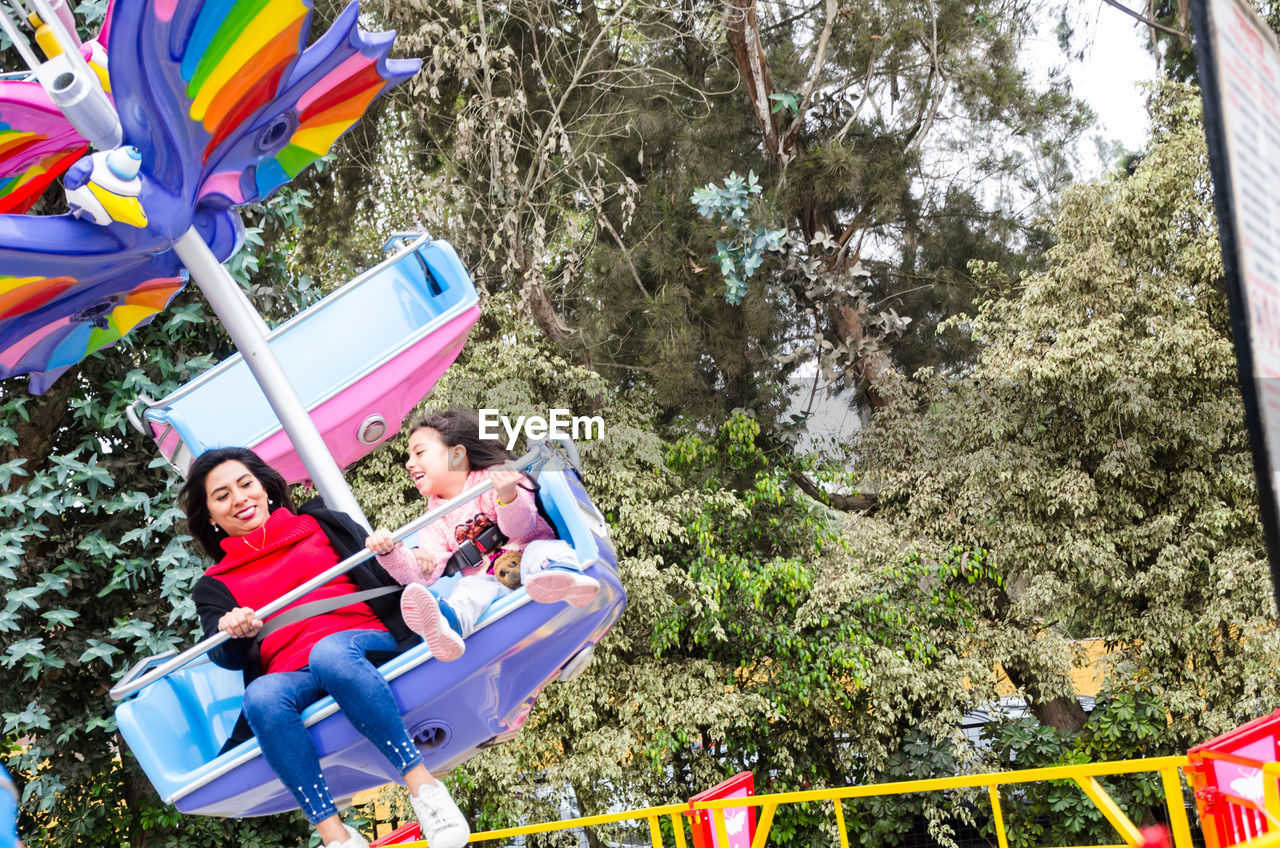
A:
(195, 501)
(462, 427)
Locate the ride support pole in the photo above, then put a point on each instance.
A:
(245, 327)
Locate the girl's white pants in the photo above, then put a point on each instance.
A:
(471, 595)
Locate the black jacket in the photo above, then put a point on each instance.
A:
(213, 600)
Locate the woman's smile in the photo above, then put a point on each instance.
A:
(236, 499)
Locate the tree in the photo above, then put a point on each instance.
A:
(761, 632)
(1098, 451)
(1169, 31)
(558, 147)
(866, 164)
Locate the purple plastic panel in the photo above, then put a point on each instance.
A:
(478, 700)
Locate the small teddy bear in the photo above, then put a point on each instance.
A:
(507, 568)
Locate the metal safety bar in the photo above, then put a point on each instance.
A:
(19, 41)
(65, 75)
(1084, 775)
(130, 684)
(398, 239)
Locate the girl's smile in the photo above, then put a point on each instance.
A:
(434, 467)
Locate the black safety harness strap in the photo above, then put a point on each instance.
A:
(472, 552)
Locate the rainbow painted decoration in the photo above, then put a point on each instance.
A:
(224, 101)
(36, 144)
(63, 343)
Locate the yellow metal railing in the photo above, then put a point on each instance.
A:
(1085, 776)
(1271, 791)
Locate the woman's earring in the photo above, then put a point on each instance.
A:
(217, 529)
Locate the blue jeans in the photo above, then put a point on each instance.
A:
(273, 705)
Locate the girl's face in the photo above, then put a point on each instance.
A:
(434, 467)
(236, 500)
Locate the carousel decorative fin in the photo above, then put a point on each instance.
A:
(72, 320)
(230, 104)
(220, 102)
(37, 144)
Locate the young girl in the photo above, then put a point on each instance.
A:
(446, 456)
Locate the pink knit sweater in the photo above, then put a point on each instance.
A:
(519, 520)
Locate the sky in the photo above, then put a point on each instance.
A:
(1115, 62)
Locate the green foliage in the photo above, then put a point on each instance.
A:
(1123, 725)
(89, 16)
(1097, 449)
(742, 254)
(559, 168)
(886, 820)
(785, 102)
(755, 613)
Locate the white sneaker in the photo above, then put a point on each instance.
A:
(561, 584)
(421, 612)
(442, 823)
(353, 840)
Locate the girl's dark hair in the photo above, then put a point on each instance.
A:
(462, 427)
(195, 501)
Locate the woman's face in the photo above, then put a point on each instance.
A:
(236, 500)
(429, 464)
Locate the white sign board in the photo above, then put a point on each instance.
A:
(1239, 64)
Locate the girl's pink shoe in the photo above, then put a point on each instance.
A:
(421, 611)
(553, 585)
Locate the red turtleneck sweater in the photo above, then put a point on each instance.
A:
(284, 553)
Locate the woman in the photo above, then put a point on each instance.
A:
(239, 509)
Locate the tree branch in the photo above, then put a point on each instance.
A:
(923, 125)
(743, 34)
(844, 503)
(811, 84)
(1146, 21)
(867, 89)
